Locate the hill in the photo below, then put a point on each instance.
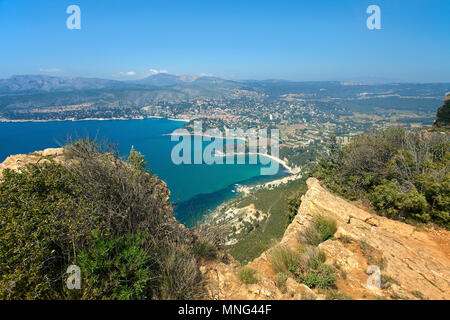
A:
(413, 263)
(115, 221)
(443, 114)
(83, 206)
(37, 97)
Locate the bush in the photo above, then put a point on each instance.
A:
(318, 275)
(321, 229)
(248, 276)
(209, 240)
(42, 220)
(284, 259)
(205, 249)
(48, 213)
(395, 203)
(137, 160)
(404, 174)
(280, 282)
(387, 281)
(116, 268)
(294, 200)
(179, 277)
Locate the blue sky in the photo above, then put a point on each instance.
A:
(246, 39)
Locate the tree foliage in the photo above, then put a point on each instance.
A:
(110, 218)
(404, 174)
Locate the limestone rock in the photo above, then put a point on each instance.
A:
(414, 263)
(14, 162)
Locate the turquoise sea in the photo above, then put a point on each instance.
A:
(196, 190)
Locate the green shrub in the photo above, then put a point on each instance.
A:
(419, 295)
(280, 281)
(293, 201)
(42, 219)
(404, 174)
(320, 277)
(318, 274)
(205, 249)
(137, 160)
(345, 239)
(209, 240)
(387, 281)
(321, 229)
(284, 259)
(48, 213)
(248, 276)
(116, 268)
(366, 248)
(395, 203)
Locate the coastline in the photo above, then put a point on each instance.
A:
(246, 190)
(250, 186)
(4, 120)
(283, 163)
(175, 134)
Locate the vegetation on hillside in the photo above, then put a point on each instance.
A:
(281, 204)
(306, 264)
(405, 175)
(107, 216)
(443, 115)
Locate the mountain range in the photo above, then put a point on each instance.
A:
(24, 92)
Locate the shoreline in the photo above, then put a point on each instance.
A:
(292, 171)
(175, 134)
(280, 161)
(3, 120)
(246, 190)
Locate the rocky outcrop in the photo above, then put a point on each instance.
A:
(14, 162)
(414, 263)
(443, 114)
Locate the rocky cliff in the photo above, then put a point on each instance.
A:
(16, 161)
(443, 114)
(414, 263)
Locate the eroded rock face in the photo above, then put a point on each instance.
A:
(418, 261)
(14, 162)
(414, 263)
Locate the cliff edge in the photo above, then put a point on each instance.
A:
(16, 161)
(443, 114)
(414, 263)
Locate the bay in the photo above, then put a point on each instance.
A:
(196, 190)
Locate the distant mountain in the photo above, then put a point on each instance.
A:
(40, 83)
(161, 79)
(443, 114)
(166, 79)
(21, 93)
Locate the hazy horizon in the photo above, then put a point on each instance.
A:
(362, 82)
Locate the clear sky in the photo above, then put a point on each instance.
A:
(245, 39)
